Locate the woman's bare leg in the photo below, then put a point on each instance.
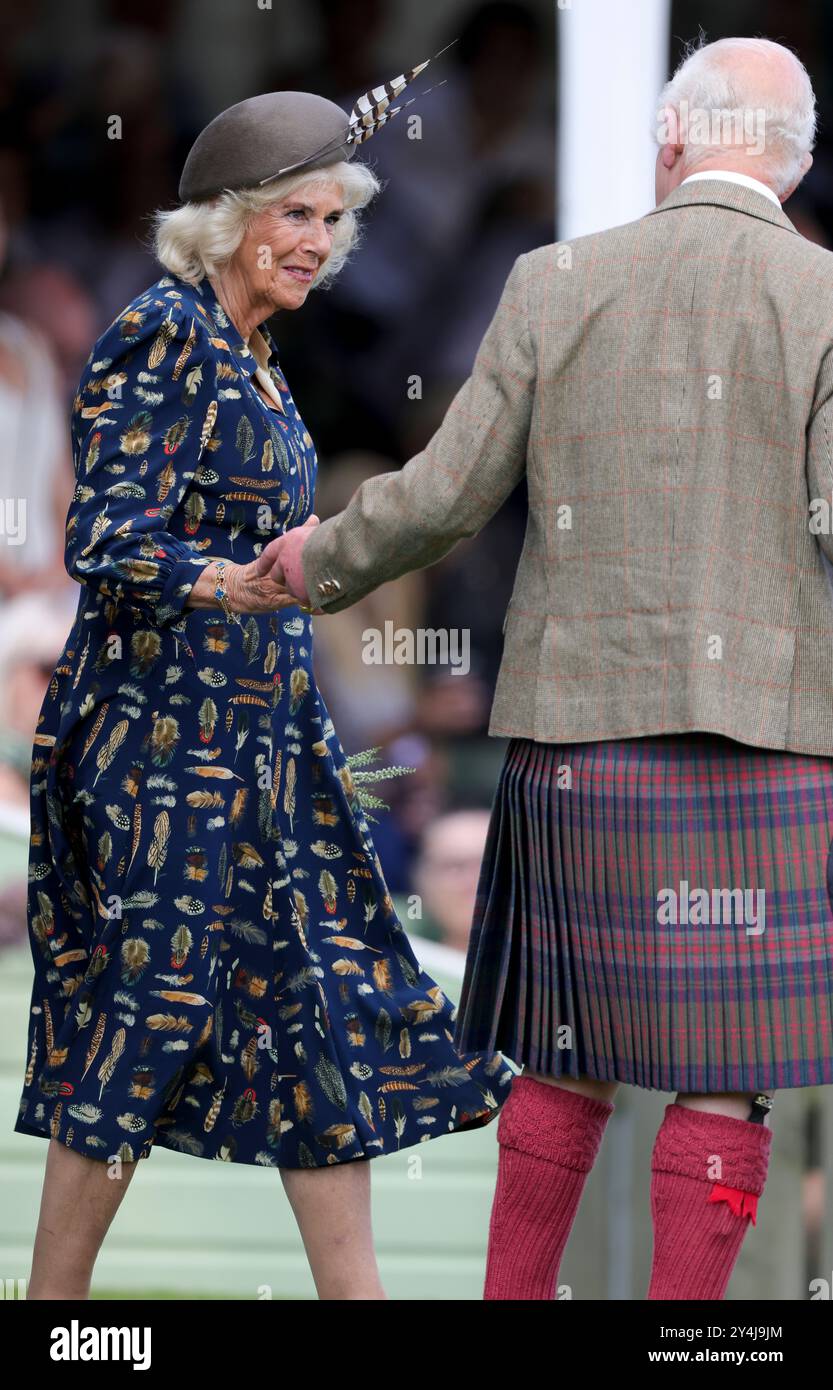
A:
(79, 1200)
(331, 1205)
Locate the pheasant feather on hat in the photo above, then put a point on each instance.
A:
(240, 147)
(371, 111)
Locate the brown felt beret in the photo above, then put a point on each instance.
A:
(255, 138)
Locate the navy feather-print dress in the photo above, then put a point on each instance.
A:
(218, 964)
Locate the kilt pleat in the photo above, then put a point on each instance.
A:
(571, 968)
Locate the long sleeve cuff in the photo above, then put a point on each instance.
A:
(324, 590)
(183, 576)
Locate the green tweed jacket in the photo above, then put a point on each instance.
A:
(667, 387)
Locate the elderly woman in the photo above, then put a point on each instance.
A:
(219, 966)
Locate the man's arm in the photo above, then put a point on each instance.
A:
(411, 517)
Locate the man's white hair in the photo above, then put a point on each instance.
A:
(713, 78)
(198, 239)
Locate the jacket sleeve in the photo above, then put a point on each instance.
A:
(819, 461)
(143, 415)
(411, 517)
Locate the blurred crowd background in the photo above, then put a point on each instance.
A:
(458, 206)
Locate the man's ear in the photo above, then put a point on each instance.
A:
(669, 131)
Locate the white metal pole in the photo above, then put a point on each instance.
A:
(613, 60)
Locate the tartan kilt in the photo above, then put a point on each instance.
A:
(580, 960)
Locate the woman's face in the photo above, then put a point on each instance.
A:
(287, 244)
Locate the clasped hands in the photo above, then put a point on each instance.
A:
(275, 578)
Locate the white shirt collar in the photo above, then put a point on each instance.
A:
(731, 176)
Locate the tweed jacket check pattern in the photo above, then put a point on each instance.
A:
(667, 387)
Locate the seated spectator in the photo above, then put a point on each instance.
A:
(446, 875)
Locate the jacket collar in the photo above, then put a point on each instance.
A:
(727, 195)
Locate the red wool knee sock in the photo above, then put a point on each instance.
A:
(700, 1220)
(548, 1139)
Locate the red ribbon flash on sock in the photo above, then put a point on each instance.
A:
(742, 1203)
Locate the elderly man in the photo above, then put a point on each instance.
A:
(654, 904)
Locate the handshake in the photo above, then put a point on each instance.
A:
(274, 580)
(279, 563)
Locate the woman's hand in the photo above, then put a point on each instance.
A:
(260, 586)
(250, 592)
(246, 590)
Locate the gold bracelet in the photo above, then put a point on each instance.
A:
(222, 597)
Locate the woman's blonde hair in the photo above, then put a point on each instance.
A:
(197, 239)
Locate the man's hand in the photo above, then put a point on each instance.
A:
(249, 592)
(280, 560)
